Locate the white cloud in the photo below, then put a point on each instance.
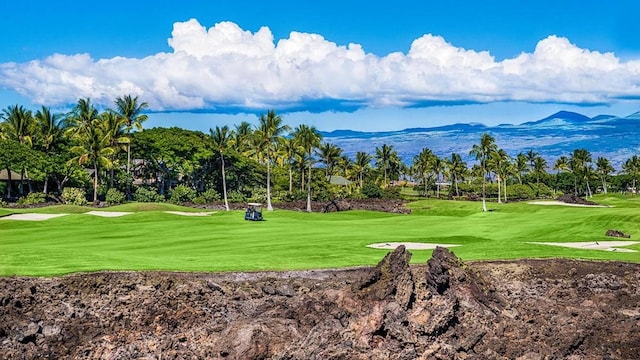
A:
(228, 67)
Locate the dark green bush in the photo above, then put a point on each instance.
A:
(236, 197)
(181, 194)
(114, 197)
(33, 199)
(148, 194)
(371, 191)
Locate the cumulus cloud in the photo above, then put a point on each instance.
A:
(226, 68)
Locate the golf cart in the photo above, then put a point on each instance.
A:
(254, 212)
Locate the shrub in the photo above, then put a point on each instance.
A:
(259, 194)
(392, 192)
(207, 197)
(371, 191)
(147, 194)
(236, 197)
(33, 198)
(114, 196)
(211, 195)
(3, 204)
(74, 196)
(181, 194)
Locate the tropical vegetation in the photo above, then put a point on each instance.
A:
(102, 151)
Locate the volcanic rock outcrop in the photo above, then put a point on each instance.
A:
(446, 309)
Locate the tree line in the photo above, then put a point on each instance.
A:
(107, 154)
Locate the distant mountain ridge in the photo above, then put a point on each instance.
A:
(616, 138)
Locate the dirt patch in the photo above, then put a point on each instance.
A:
(446, 309)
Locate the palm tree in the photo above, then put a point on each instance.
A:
(289, 149)
(114, 126)
(521, 166)
(50, 130)
(329, 155)
(632, 167)
(497, 160)
(539, 168)
(457, 168)
(308, 138)
(362, 164)
(82, 116)
(222, 139)
(131, 110)
(18, 125)
(481, 151)
(93, 148)
(269, 129)
(531, 158)
(578, 164)
(422, 166)
(384, 155)
(604, 168)
(437, 167)
(242, 137)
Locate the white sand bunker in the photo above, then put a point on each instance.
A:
(31, 217)
(594, 245)
(184, 213)
(555, 202)
(108, 213)
(409, 245)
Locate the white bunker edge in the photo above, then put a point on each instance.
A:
(409, 245)
(31, 216)
(108, 213)
(560, 203)
(593, 245)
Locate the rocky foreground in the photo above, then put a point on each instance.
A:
(532, 309)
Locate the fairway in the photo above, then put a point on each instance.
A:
(148, 237)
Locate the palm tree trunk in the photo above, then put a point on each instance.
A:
(604, 185)
(505, 190)
(309, 186)
(499, 194)
(484, 179)
(95, 183)
(269, 207)
(224, 183)
(455, 181)
(128, 158)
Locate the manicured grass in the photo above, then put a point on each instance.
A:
(151, 239)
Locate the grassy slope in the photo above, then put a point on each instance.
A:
(151, 239)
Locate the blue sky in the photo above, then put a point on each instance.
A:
(332, 64)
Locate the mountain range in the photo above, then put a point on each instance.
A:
(616, 138)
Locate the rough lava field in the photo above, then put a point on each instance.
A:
(445, 309)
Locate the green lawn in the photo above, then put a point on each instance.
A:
(151, 239)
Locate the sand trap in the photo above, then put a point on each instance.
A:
(555, 202)
(409, 245)
(31, 217)
(108, 213)
(184, 213)
(593, 245)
